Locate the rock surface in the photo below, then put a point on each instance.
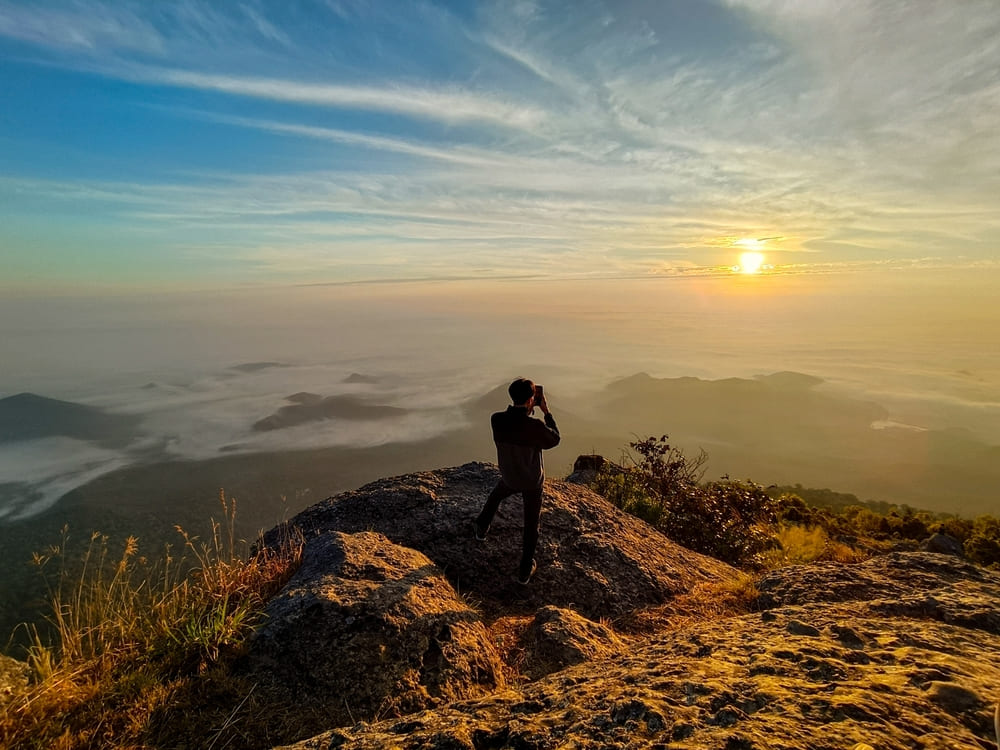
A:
(943, 544)
(368, 627)
(903, 584)
(818, 675)
(592, 557)
(900, 651)
(559, 638)
(14, 677)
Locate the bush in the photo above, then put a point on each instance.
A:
(983, 544)
(727, 519)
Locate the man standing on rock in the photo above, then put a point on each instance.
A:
(520, 440)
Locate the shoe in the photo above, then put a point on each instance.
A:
(480, 531)
(524, 580)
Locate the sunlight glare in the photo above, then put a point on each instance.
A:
(751, 262)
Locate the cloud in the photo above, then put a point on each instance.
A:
(852, 129)
(81, 28)
(443, 105)
(376, 143)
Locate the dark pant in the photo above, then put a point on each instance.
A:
(532, 510)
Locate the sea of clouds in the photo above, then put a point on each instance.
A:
(208, 414)
(180, 365)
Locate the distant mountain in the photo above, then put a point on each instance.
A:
(784, 410)
(356, 377)
(28, 416)
(482, 406)
(256, 366)
(309, 407)
(789, 380)
(304, 397)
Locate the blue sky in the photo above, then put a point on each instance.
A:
(199, 143)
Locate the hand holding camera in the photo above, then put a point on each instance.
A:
(540, 399)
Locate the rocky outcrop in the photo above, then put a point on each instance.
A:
(943, 544)
(377, 620)
(896, 652)
(904, 584)
(368, 627)
(827, 674)
(592, 557)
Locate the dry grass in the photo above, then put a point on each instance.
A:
(706, 601)
(508, 633)
(142, 647)
(800, 545)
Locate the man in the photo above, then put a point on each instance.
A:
(520, 441)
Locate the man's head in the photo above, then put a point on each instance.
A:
(521, 391)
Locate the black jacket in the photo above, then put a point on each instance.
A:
(520, 440)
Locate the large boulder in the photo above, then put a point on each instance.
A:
(368, 628)
(943, 544)
(592, 557)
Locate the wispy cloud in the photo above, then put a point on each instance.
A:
(458, 155)
(433, 104)
(88, 28)
(622, 131)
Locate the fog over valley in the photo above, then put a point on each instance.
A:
(894, 397)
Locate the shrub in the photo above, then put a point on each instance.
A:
(983, 544)
(727, 519)
(796, 545)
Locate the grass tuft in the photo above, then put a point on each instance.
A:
(141, 648)
(799, 545)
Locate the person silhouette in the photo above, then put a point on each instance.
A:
(520, 440)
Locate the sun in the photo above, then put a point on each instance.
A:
(751, 262)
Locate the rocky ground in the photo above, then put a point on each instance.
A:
(388, 637)
(592, 557)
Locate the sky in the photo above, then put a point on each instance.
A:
(197, 144)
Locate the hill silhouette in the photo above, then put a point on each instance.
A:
(27, 416)
(310, 407)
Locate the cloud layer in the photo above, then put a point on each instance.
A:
(341, 141)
